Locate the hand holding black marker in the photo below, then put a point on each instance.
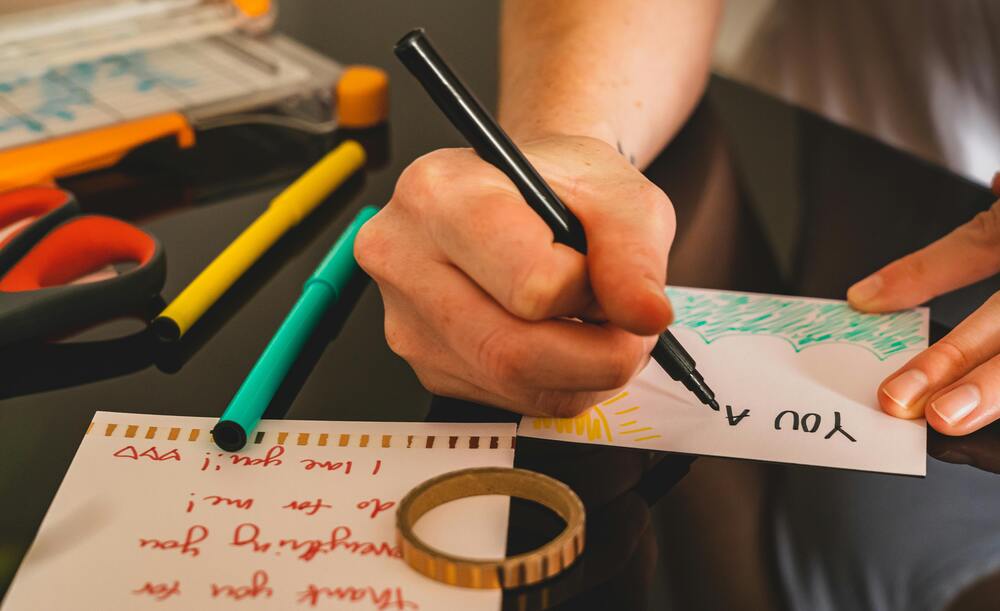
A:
(493, 145)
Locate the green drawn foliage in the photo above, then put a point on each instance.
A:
(713, 315)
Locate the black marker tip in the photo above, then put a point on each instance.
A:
(714, 404)
(229, 436)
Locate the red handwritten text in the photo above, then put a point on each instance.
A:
(307, 507)
(159, 591)
(248, 535)
(215, 500)
(270, 458)
(152, 454)
(329, 465)
(195, 534)
(387, 598)
(377, 506)
(258, 587)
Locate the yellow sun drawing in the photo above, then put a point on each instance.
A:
(592, 424)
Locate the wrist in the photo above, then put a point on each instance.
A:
(524, 126)
(528, 126)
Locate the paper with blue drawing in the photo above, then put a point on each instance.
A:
(796, 378)
(90, 94)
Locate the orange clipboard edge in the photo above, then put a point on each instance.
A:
(46, 161)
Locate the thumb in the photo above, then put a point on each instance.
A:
(966, 255)
(627, 248)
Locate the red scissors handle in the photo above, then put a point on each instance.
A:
(76, 248)
(31, 203)
(40, 260)
(28, 214)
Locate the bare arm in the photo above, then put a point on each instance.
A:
(624, 71)
(478, 299)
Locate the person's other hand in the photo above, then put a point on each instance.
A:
(478, 298)
(956, 382)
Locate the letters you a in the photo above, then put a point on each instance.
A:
(810, 423)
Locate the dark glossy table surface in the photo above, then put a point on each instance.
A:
(769, 198)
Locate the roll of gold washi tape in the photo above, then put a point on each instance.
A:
(516, 571)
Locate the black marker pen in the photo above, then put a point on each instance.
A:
(496, 148)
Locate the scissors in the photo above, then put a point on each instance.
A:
(49, 253)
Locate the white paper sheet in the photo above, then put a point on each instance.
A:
(151, 515)
(796, 367)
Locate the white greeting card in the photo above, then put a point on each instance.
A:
(796, 379)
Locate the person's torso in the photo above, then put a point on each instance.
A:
(922, 75)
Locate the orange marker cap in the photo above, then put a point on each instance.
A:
(253, 8)
(362, 96)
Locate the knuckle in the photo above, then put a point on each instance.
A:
(417, 182)
(956, 357)
(668, 216)
(620, 369)
(623, 362)
(985, 226)
(653, 201)
(434, 384)
(370, 245)
(533, 295)
(912, 268)
(564, 405)
(647, 253)
(502, 357)
(399, 340)
(648, 194)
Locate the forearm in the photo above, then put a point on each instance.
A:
(625, 71)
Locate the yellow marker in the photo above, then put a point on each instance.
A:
(285, 211)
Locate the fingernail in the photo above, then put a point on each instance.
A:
(957, 403)
(865, 290)
(906, 388)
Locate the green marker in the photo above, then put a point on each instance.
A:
(320, 291)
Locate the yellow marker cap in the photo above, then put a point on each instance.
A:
(285, 211)
(362, 96)
(315, 185)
